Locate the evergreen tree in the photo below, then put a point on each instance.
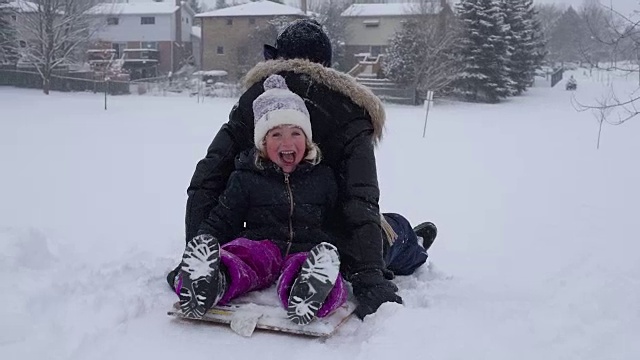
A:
(526, 45)
(484, 74)
(7, 33)
(536, 44)
(569, 38)
(221, 4)
(404, 54)
(328, 13)
(603, 32)
(195, 6)
(513, 34)
(421, 54)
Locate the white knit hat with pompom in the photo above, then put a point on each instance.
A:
(278, 106)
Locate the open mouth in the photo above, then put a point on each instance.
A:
(288, 157)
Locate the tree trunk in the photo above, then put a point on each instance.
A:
(46, 79)
(46, 85)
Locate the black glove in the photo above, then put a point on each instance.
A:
(371, 290)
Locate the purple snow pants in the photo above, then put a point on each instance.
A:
(255, 265)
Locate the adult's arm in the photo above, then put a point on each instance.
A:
(359, 196)
(226, 219)
(210, 177)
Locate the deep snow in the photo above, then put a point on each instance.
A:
(536, 258)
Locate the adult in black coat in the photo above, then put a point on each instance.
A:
(347, 121)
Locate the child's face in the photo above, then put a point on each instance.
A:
(286, 146)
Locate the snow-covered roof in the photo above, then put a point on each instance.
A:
(258, 8)
(395, 9)
(22, 6)
(138, 8)
(211, 73)
(184, 3)
(196, 31)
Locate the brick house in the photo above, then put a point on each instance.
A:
(232, 37)
(19, 20)
(151, 38)
(369, 27)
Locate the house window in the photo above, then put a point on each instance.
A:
(147, 20)
(243, 55)
(187, 19)
(149, 45)
(230, 22)
(113, 21)
(252, 21)
(220, 50)
(371, 23)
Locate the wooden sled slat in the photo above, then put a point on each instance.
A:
(271, 318)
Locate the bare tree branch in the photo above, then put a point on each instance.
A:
(622, 34)
(54, 32)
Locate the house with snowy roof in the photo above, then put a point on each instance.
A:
(149, 38)
(19, 19)
(369, 27)
(232, 37)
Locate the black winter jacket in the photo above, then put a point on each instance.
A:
(288, 209)
(347, 120)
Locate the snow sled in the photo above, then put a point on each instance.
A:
(244, 318)
(571, 85)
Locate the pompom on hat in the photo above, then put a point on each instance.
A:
(279, 106)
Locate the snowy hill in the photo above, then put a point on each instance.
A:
(537, 255)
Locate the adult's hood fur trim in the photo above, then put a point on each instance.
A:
(333, 79)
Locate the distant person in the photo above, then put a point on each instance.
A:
(571, 83)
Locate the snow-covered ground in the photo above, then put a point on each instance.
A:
(537, 255)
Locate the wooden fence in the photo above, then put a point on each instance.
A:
(66, 81)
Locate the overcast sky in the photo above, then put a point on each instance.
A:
(624, 6)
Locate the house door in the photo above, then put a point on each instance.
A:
(119, 48)
(375, 50)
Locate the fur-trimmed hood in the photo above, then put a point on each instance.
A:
(333, 79)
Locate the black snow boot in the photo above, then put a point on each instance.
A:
(428, 232)
(314, 283)
(172, 276)
(200, 282)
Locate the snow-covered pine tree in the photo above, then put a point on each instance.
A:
(536, 44)
(513, 33)
(484, 75)
(404, 53)
(569, 38)
(7, 33)
(422, 53)
(195, 6)
(328, 13)
(526, 44)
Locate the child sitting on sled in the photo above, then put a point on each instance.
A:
(269, 224)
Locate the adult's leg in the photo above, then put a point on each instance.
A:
(405, 255)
